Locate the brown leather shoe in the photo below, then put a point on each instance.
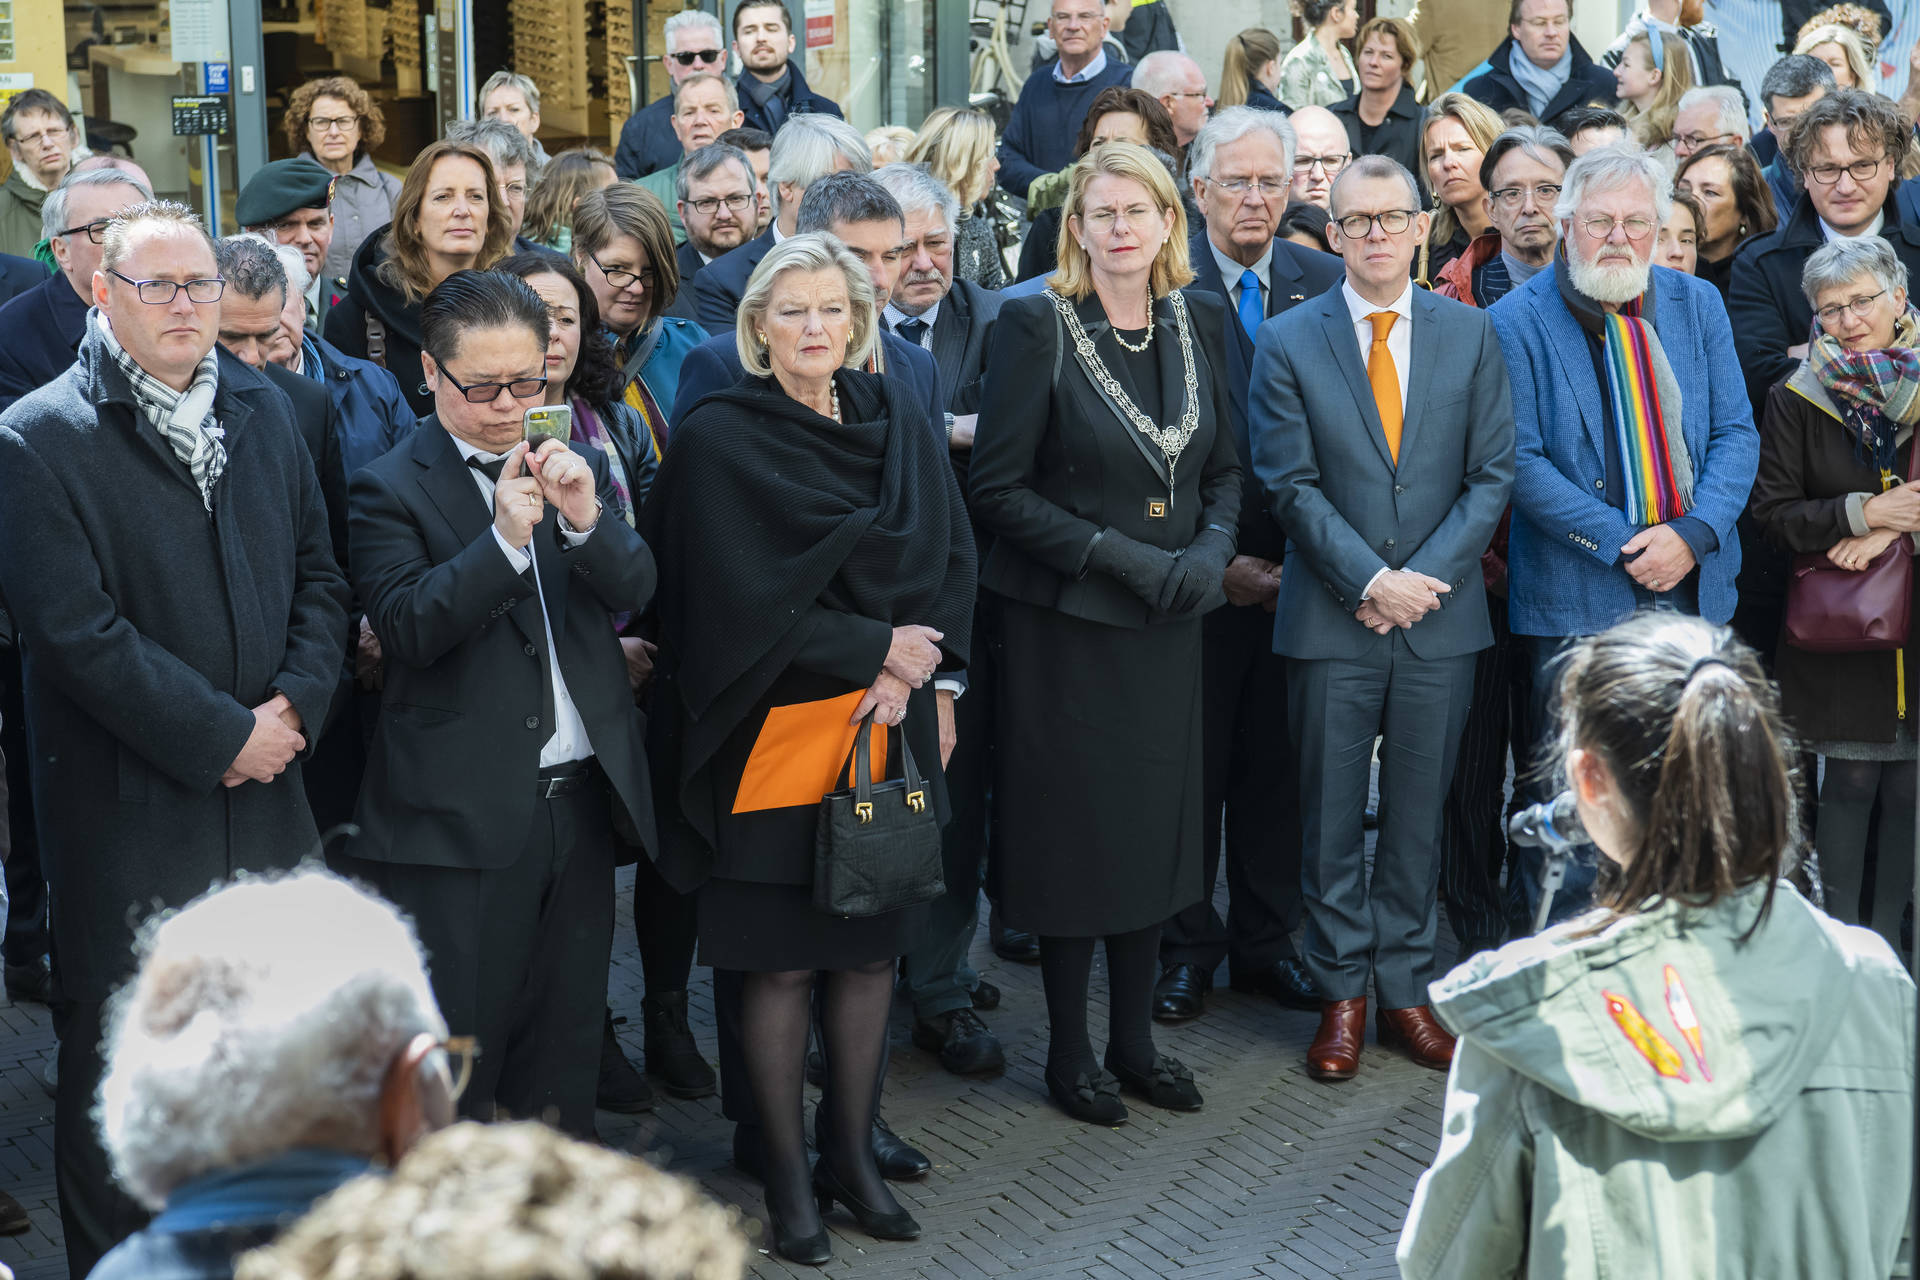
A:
(1416, 1031)
(1335, 1051)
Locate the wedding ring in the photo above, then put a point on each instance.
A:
(1655, 584)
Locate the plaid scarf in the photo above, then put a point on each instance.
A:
(1877, 391)
(183, 419)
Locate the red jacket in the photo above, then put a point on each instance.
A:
(1456, 278)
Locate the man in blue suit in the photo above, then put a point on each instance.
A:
(860, 212)
(1590, 543)
(1241, 165)
(1383, 436)
(807, 149)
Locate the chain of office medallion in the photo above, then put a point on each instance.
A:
(1170, 440)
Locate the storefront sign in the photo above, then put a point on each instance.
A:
(219, 76)
(820, 24)
(199, 29)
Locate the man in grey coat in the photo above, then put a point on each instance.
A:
(1382, 432)
(164, 553)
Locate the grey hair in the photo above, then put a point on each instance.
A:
(700, 165)
(1842, 261)
(917, 191)
(1731, 107)
(805, 148)
(704, 77)
(846, 197)
(1231, 125)
(114, 248)
(503, 143)
(1374, 166)
(509, 80)
(299, 279)
(814, 251)
(1609, 169)
(1795, 76)
(1538, 142)
(250, 267)
(694, 20)
(1160, 71)
(53, 211)
(264, 1017)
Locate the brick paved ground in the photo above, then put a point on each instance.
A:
(1277, 1177)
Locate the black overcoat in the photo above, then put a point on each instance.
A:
(149, 630)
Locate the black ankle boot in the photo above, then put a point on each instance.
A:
(621, 1088)
(672, 1057)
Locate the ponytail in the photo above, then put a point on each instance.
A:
(1247, 52)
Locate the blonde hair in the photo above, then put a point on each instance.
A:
(1247, 52)
(1654, 126)
(1171, 268)
(812, 251)
(1481, 124)
(1404, 42)
(1852, 44)
(956, 146)
(889, 143)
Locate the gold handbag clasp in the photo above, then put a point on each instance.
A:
(916, 800)
(863, 810)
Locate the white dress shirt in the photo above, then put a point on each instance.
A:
(1829, 234)
(1399, 346)
(569, 739)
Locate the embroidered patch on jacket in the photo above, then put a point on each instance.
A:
(1689, 1022)
(1654, 1047)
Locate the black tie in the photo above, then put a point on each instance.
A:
(911, 328)
(491, 470)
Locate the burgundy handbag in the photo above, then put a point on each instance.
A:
(1835, 610)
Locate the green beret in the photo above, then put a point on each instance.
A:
(282, 187)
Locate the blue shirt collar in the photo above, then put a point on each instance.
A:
(1085, 73)
(282, 1186)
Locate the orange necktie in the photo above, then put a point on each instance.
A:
(1386, 381)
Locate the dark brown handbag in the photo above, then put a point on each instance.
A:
(877, 845)
(1835, 610)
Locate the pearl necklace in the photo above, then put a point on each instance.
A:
(1144, 342)
(833, 408)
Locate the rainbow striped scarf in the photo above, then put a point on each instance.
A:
(1646, 420)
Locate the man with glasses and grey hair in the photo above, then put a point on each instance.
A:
(807, 149)
(44, 325)
(1521, 173)
(695, 45)
(1241, 167)
(164, 552)
(280, 1039)
(1620, 502)
(1046, 117)
(1710, 116)
(1382, 432)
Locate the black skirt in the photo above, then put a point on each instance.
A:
(767, 928)
(1097, 774)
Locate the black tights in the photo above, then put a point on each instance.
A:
(1846, 807)
(775, 1011)
(1066, 970)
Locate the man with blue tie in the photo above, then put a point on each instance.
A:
(1241, 165)
(1382, 429)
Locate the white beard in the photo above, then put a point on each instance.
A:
(1615, 284)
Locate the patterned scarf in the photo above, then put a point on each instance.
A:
(1646, 419)
(183, 419)
(1878, 391)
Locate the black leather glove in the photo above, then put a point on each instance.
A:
(1141, 568)
(1194, 583)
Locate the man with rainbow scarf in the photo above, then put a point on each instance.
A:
(1634, 440)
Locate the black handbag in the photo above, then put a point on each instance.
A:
(877, 845)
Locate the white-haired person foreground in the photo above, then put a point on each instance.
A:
(279, 1039)
(510, 1202)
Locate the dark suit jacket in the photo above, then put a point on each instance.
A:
(1769, 310)
(17, 275)
(962, 334)
(717, 290)
(1398, 136)
(450, 777)
(1055, 464)
(43, 327)
(313, 414)
(647, 141)
(1348, 510)
(1499, 89)
(687, 258)
(715, 363)
(1294, 275)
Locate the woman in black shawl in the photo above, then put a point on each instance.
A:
(815, 563)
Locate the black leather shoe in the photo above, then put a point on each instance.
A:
(963, 1042)
(898, 1161)
(621, 1088)
(1017, 945)
(1168, 1084)
(672, 1057)
(29, 983)
(1181, 993)
(1090, 1096)
(985, 996)
(808, 1250)
(896, 1224)
(1286, 981)
(13, 1217)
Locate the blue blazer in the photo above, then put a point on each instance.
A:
(17, 275)
(1564, 574)
(715, 364)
